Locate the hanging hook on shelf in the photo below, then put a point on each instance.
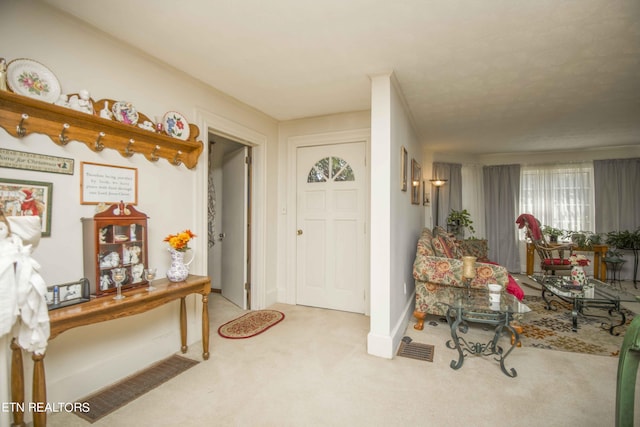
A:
(99, 146)
(64, 140)
(154, 154)
(21, 130)
(176, 160)
(128, 152)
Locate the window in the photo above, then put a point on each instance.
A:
(561, 196)
(331, 169)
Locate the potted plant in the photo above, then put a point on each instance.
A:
(624, 239)
(613, 255)
(584, 239)
(552, 232)
(457, 221)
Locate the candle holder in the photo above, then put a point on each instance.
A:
(150, 274)
(118, 275)
(468, 272)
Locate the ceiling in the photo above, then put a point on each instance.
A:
(484, 76)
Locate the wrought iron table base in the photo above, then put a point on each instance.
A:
(579, 304)
(463, 346)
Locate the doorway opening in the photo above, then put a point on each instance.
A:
(229, 219)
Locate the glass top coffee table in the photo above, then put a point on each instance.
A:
(594, 294)
(465, 305)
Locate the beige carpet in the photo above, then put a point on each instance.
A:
(314, 370)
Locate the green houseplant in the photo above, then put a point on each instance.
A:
(458, 221)
(624, 239)
(584, 239)
(552, 232)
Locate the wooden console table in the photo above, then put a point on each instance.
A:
(137, 300)
(599, 266)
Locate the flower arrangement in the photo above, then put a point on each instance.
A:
(180, 241)
(580, 260)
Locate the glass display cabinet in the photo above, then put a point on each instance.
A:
(115, 238)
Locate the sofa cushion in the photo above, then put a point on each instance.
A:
(475, 247)
(425, 248)
(440, 231)
(446, 246)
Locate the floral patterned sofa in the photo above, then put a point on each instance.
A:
(438, 265)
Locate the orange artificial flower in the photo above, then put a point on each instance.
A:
(180, 241)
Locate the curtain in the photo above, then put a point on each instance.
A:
(473, 197)
(448, 196)
(559, 195)
(617, 194)
(502, 196)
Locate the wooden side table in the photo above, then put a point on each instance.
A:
(599, 266)
(137, 300)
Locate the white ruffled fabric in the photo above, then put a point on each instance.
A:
(22, 287)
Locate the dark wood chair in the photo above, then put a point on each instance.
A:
(554, 257)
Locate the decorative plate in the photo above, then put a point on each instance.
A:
(176, 125)
(30, 78)
(124, 112)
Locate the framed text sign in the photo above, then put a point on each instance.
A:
(108, 184)
(35, 162)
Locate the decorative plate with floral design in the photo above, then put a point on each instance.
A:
(30, 78)
(176, 125)
(124, 112)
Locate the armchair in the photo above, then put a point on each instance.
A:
(553, 257)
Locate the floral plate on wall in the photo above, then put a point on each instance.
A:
(176, 125)
(124, 112)
(30, 78)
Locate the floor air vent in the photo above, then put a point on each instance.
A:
(415, 350)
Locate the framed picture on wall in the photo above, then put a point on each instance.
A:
(404, 168)
(426, 196)
(25, 198)
(108, 184)
(416, 182)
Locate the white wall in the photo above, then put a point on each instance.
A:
(85, 359)
(397, 223)
(335, 128)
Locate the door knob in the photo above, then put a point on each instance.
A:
(299, 232)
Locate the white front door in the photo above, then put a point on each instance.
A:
(330, 249)
(234, 226)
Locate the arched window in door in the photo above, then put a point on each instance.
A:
(331, 169)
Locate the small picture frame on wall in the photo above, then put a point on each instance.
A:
(426, 196)
(26, 198)
(416, 182)
(403, 168)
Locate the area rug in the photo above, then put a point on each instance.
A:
(119, 394)
(250, 324)
(551, 329)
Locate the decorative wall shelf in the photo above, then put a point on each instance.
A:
(20, 116)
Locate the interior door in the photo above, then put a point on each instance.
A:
(330, 247)
(235, 170)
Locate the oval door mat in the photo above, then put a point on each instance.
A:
(250, 324)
